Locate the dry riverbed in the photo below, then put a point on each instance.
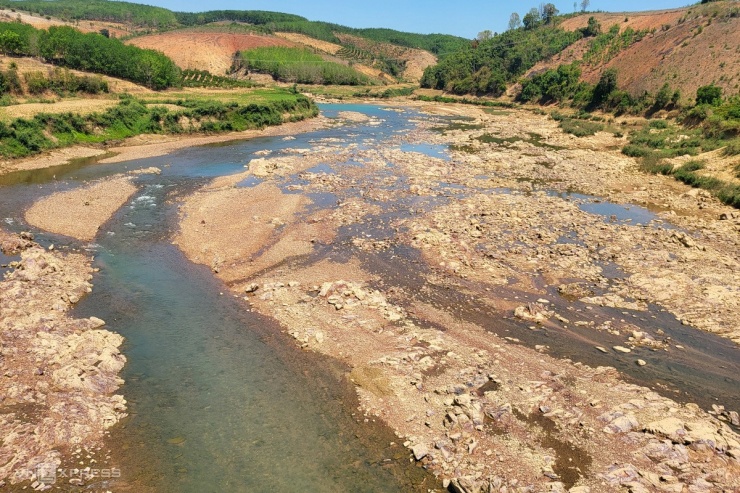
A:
(477, 409)
(58, 375)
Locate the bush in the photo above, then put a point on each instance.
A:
(658, 124)
(711, 95)
(580, 128)
(36, 82)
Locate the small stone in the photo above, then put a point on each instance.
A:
(641, 362)
(603, 350)
(251, 288)
(622, 349)
(420, 451)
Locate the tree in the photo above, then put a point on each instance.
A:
(663, 97)
(484, 35)
(10, 42)
(711, 95)
(606, 85)
(532, 19)
(593, 28)
(514, 21)
(584, 5)
(548, 11)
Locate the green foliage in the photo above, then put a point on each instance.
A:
(593, 28)
(532, 19)
(552, 85)
(711, 95)
(130, 117)
(663, 97)
(299, 65)
(10, 82)
(474, 102)
(605, 87)
(203, 78)
(104, 10)
(487, 68)
(257, 17)
(606, 46)
(580, 128)
(94, 52)
(387, 94)
(733, 149)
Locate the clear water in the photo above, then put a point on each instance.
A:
(219, 399)
(432, 150)
(610, 211)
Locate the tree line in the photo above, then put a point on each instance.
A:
(486, 66)
(91, 52)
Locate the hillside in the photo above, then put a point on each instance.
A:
(688, 48)
(205, 50)
(42, 22)
(385, 55)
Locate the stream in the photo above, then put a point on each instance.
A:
(220, 400)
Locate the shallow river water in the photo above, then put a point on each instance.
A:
(220, 400)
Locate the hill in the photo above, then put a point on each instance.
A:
(211, 50)
(688, 48)
(383, 54)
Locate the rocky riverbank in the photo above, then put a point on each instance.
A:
(491, 219)
(58, 375)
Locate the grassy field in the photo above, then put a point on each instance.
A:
(299, 65)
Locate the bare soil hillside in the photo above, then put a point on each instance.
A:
(689, 47)
(416, 60)
(211, 51)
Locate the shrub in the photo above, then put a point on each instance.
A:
(711, 95)
(36, 82)
(580, 128)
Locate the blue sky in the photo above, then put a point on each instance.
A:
(462, 18)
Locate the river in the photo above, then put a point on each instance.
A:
(221, 400)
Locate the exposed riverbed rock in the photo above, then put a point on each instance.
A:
(480, 410)
(58, 375)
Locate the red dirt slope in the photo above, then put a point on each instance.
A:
(690, 47)
(211, 51)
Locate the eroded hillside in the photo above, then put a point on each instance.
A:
(687, 48)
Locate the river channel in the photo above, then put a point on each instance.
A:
(221, 400)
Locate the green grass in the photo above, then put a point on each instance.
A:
(394, 92)
(580, 128)
(299, 65)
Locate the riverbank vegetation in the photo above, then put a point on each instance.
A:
(132, 116)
